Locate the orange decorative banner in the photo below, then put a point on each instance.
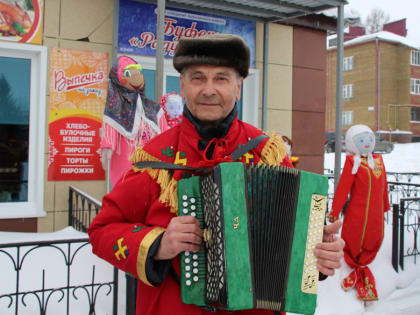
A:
(21, 20)
(78, 86)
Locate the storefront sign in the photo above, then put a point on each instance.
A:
(78, 85)
(21, 21)
(137, 28)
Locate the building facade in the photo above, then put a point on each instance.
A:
(381, 86)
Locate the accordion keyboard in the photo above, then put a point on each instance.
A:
(193, 263)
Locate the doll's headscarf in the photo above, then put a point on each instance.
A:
(351, 147)
(125, 108)
(173, 105)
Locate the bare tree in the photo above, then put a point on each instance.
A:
(376, 20)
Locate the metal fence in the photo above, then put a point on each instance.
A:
(56, 285)
(82, 210)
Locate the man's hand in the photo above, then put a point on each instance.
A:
(182, 234)
(330, 251)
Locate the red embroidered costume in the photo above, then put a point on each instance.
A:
(127, 230)
(363, 224)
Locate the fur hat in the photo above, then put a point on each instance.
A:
(223, 50)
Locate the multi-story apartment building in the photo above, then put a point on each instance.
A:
(381, 83)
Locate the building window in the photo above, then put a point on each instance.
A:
(415, 57)
(348, 63)
(347, 117)
(348, 91)
(22, 129)
(415, 114)
(415, 86)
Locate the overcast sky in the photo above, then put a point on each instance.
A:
(397, 9)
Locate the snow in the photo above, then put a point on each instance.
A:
(399, 293)
(384, 35)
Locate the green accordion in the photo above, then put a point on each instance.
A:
(261, 224)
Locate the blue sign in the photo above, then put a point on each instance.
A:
(137, 28)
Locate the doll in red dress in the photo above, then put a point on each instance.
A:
(363, 182)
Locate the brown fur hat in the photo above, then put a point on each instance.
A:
(223, 50)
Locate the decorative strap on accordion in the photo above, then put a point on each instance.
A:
(253, 143)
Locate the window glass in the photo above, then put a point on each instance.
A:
(415, 58)
(14, 128)
(415, 114)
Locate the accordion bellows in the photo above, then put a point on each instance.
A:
(260, 225)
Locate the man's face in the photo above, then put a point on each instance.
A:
(210, 92)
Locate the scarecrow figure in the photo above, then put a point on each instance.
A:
(130, 119)
(363, 181)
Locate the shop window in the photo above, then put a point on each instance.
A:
(22, 129)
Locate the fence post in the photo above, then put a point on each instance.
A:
(70, 206)
(131, 294)
(115, 297)
(395, 232)
(401, 217)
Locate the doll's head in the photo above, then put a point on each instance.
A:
(172, 104)
(130, 73)
(360, 139)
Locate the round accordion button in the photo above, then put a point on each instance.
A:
(195, 279)
(188, 282)
(184, 197)
(192, 200)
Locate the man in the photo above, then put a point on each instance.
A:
(138, 229)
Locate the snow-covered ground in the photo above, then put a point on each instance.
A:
(399, 293)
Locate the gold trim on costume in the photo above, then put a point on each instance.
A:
(367, 206)
(143, 250)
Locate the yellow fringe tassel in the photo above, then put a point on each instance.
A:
(168, 185)
(274, 151)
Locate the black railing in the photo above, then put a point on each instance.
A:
(82, 209)
(405, 232)
(66, 280)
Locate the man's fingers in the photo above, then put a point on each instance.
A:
(325, 270)
(333, 227)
